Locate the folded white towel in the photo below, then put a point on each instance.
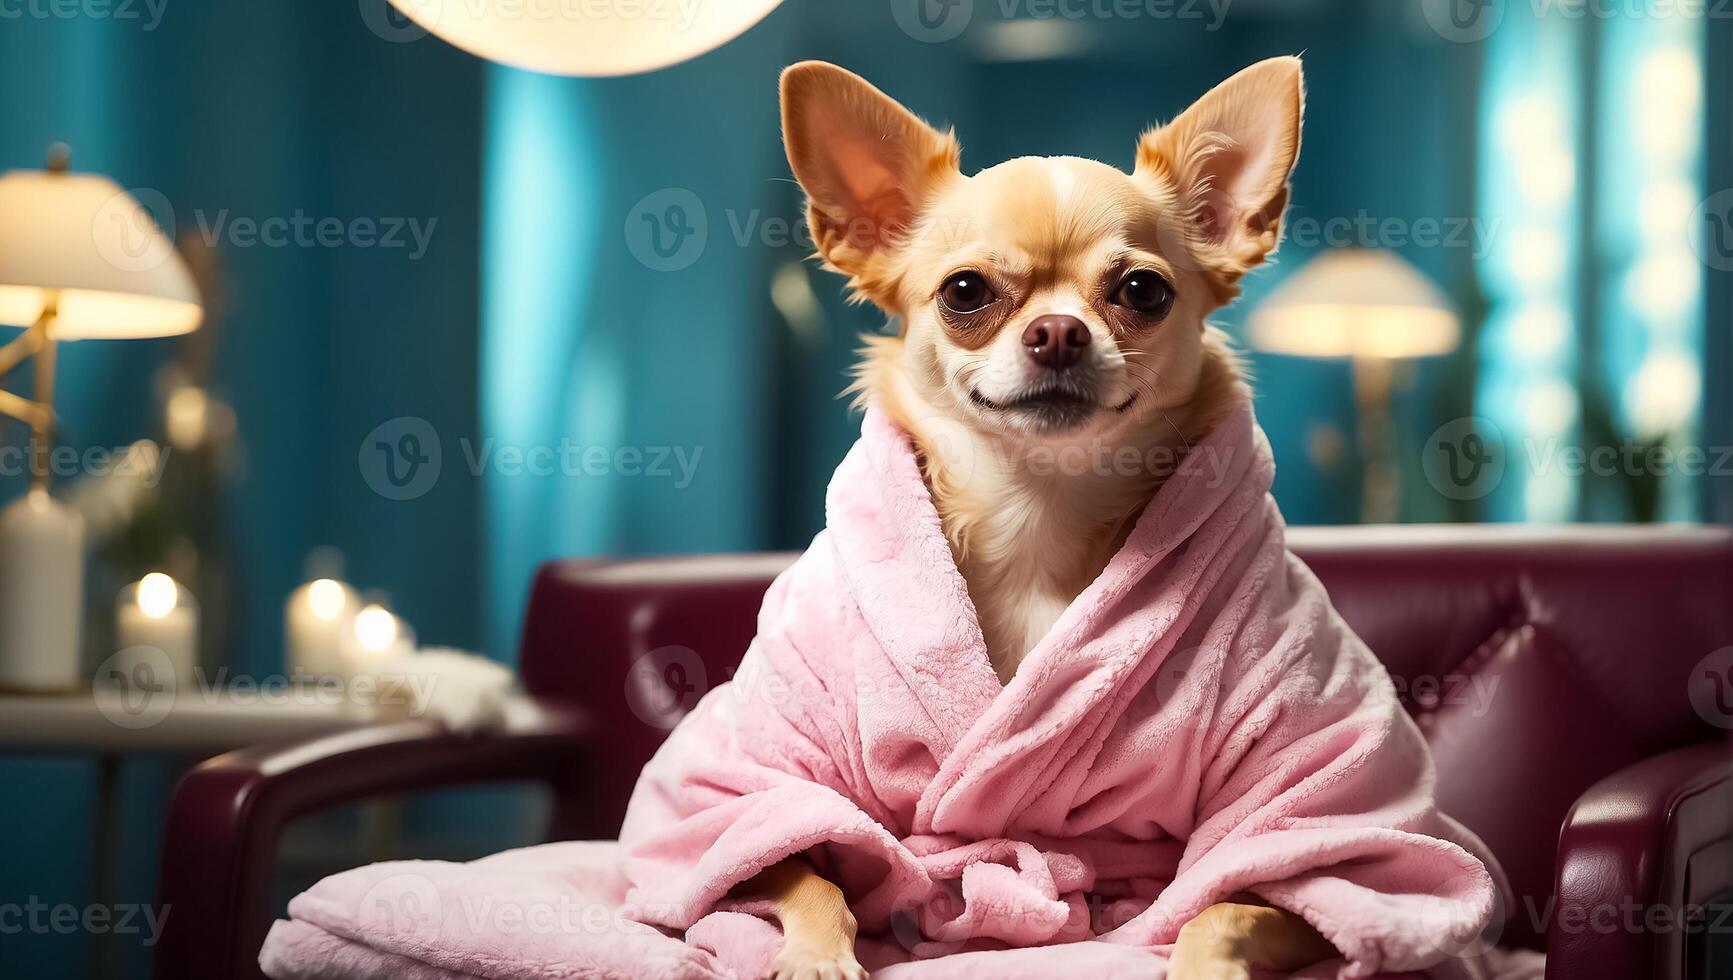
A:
(464, 691)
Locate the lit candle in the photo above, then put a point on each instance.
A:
(156, 614)
(41, 594)
(374, 639)
(314, 620)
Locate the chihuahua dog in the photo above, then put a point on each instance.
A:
(1052, 320)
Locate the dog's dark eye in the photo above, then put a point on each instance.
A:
(1145, 292)
(966, 292)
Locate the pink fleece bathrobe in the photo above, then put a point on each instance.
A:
(1198, 723)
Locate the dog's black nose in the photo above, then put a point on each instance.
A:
(1056, 340)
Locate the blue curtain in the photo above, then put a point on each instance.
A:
(259, 111)
(647, 380)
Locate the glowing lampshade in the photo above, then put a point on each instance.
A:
(567, 37)
(1356, 302)
(78, 258)
(81, 241)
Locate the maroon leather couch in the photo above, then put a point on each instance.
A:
(1568, 680)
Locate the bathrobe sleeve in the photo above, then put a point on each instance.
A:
(760, 770)
(1320, 800)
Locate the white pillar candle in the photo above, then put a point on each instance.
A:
(41, 594)
(314, 620)
(373, 639)
(156, 614)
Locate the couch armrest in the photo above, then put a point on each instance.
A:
(1640, 852)
(226, 816)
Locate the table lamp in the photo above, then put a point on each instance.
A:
(79, 259)
(1372, 306)
(613, 42)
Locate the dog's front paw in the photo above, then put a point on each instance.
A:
(805, 962)
(1193, 963)
(1203, 955)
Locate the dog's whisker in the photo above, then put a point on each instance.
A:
(1134, 369)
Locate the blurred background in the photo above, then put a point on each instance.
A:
(462, 318)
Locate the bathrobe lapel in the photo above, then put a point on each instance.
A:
(892, 552)
(1022, 750)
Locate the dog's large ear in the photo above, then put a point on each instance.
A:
(867, 163)
(1229, 157)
